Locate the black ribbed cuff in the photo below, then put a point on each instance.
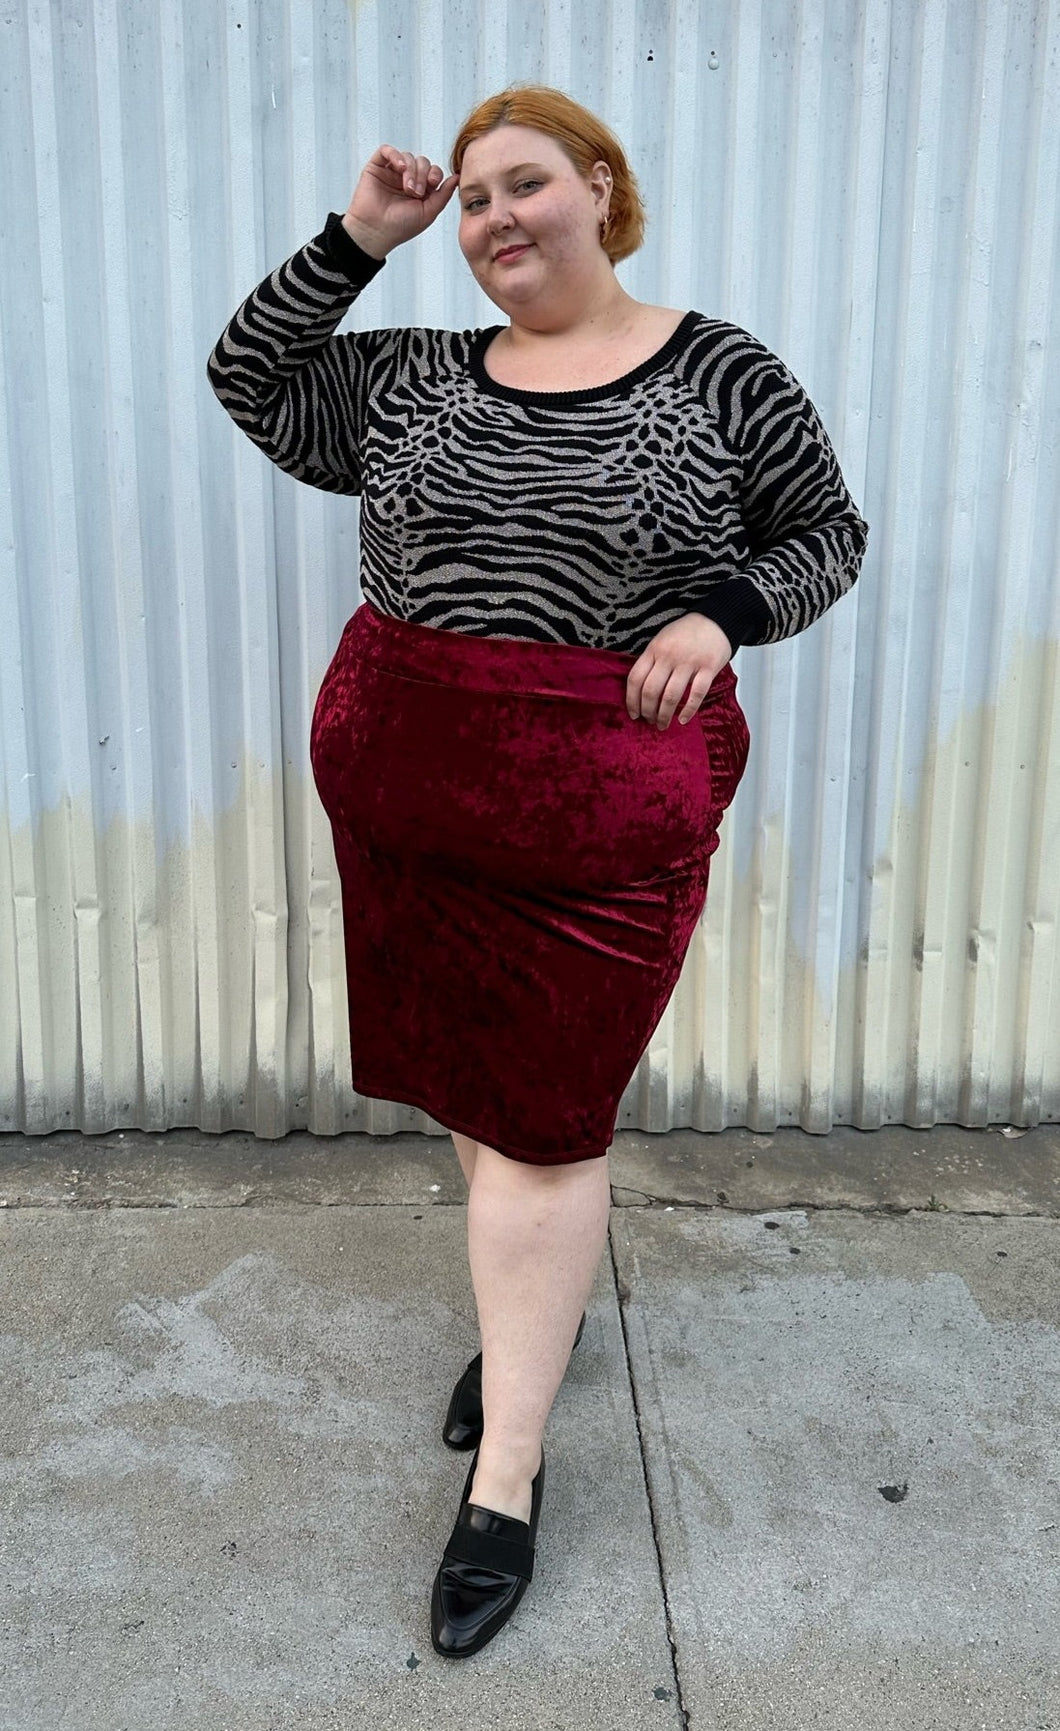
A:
(739, 608)
(357, 264)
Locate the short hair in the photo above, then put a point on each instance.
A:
(581, 134)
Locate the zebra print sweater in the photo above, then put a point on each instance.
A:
(702, 481)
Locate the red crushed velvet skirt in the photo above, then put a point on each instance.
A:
(522, 869)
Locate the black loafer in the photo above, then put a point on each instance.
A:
(463, 1421)
(485, 1570)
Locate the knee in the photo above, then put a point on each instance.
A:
(536, 1175)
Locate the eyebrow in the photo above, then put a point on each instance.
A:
(476, 185)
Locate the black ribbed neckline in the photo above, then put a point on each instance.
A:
(615, 387)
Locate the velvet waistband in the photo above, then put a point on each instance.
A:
(515, 664)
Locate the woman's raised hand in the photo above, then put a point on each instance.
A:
(397, 197)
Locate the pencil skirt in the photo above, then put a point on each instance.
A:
(522, 869)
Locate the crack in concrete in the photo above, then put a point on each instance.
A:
(645, 1201)
(693, 1205)
(622, 1297)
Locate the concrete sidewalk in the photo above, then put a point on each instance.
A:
(803, 1471)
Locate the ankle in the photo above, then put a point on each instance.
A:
(509, 1462)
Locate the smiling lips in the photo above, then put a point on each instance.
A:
(510, 252)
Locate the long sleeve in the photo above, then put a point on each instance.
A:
(806, 536)
(287, 381)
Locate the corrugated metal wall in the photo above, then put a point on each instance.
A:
(868, 185)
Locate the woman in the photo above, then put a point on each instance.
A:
(569, 523)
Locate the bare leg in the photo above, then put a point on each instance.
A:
(466, 1151)
(535, 1235)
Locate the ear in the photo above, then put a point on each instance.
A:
(601, 182)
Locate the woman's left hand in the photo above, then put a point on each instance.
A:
(690, 648)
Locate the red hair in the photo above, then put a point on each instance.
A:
(583, 137)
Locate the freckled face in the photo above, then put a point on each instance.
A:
(519, 188)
